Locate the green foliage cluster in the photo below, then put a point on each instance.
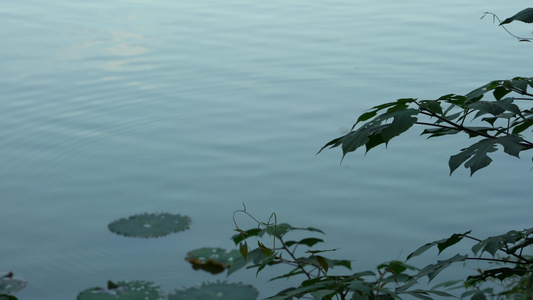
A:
(503, 120)
(390, 280)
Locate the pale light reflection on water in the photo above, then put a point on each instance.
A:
(115, 109)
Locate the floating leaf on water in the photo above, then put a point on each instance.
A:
(10, 283)
(212, 260)
(150, 225)
(218, 291)
(132, 290)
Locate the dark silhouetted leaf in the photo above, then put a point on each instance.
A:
(495, 243)
(475, 157)
(500, 92)
(241, 236)
(522, 125)
(432, 106)
(424, 294)
(441, 244)
(435, 132)
(374, 133)
(498, 273)
(307, 241)
(395, 267)
(255, 256)
(495, 108)
(525, 16)
(243, 249)
(323, 263)
(308, 286)
(150, 225)
(432, 270)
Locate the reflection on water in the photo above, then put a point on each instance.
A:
(115, 109)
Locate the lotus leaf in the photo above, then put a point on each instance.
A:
(132, 290)
(10, 284)
(150, 225)
(212, 260)
(218, 291)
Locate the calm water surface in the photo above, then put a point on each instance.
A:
(116, 108)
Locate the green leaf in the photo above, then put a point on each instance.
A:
(495, 243)
(307, 241)
(132, 290)
(441, 244)
(111, 285)
(432, 270)
(458, 100)
(475, 157)
(522, 125)
(7, 297)
(403, 119)
(150, 225)
(320, 251)
(270, 259)
(495, 108)
(278, 230)
(294, 272)
(366, 116)
(323, 294)
(255, 256)
(424, 294)
(212, 260)
(266, 251)
(477, 94)
(243, 249)
(216, 291)
(312, 229)
(435, 132)
(237, 238)
(525, 16)
(374, 133)
(323, 263)
(398, 104)
(308, 286)
(498, 273)
(479, 296)
(500, 92)
(395, 267)
(432, 106)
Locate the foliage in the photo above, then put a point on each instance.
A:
(150, 225)
(390, 280)
(503, 120)
(217, 290)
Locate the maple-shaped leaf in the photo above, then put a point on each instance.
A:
(376, 131)
(475, 157)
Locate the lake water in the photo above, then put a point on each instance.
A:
(111, 109)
